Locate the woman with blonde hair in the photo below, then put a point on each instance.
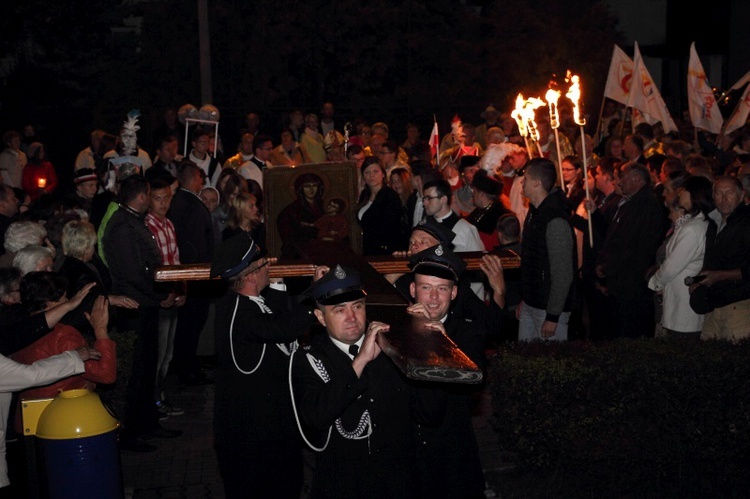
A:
(81, 266)
(243, 216)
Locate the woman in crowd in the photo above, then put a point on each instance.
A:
(378, 212)
(572, 174)
(81, 266)
(41, 291)
(18, 236)
(243, 216)
(39, 176)
(34, 258)
(684, 257)
(229, 185)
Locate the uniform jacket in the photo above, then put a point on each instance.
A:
(335, 400)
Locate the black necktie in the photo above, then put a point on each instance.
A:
(353, 349)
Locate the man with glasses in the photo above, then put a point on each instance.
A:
(437, 206)
(253, 168)
(257, 324)
(389, 158)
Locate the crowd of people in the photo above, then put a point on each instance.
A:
(620, 235)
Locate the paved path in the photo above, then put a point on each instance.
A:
(186, 467)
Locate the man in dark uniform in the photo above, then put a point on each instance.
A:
(353, 403)
(257, 324)
(448, 464)
(429, 233)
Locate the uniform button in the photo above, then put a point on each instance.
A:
(372, 400)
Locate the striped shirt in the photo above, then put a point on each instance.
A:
(166, 239)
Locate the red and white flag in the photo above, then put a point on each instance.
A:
(620, 76)
(645, 97)
(704, 110)
(434, 140)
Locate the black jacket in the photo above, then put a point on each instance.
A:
(380, 224)
(132, 255)
(377, 466)
(193, 227)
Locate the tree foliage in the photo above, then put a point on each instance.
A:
(392, 60)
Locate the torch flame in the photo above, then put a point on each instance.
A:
(552, 97)
(574, 94)
(532, 103)
(517, 114)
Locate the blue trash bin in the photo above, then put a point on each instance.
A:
(78, 443)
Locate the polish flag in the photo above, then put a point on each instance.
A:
(434, 140)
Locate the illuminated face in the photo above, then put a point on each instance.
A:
(250, 210)
(209, 197)
(420, 241)
(168, 151)
(468, 174)
(396, 184)
(517, 159)
(358, 158)
(434, 293)
(345, 321)
(726, 197)
(311, 122)
(569, 172)
(264, 151)
(87, 189)
(615, 148)
(287, 140)
(431, 201)
(373, 175)
(387, 158)
(159, 202)
(201, 145)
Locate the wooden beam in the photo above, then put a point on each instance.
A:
(299, 268)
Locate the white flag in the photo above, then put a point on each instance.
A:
(704, 110)
(645, 97)
(740, 114)
(619, 77)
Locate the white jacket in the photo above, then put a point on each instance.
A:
(685, 251)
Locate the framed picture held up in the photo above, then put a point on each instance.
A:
(311, 202)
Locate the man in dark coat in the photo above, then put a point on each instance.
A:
(353, 403)
(132, 255)
(448, 464)
(195, 240)
(629, 249)
(257, 325)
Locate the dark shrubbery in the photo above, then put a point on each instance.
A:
(640, 418)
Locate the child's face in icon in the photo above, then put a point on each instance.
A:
(332, 208)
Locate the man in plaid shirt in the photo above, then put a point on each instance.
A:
(164, 234)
